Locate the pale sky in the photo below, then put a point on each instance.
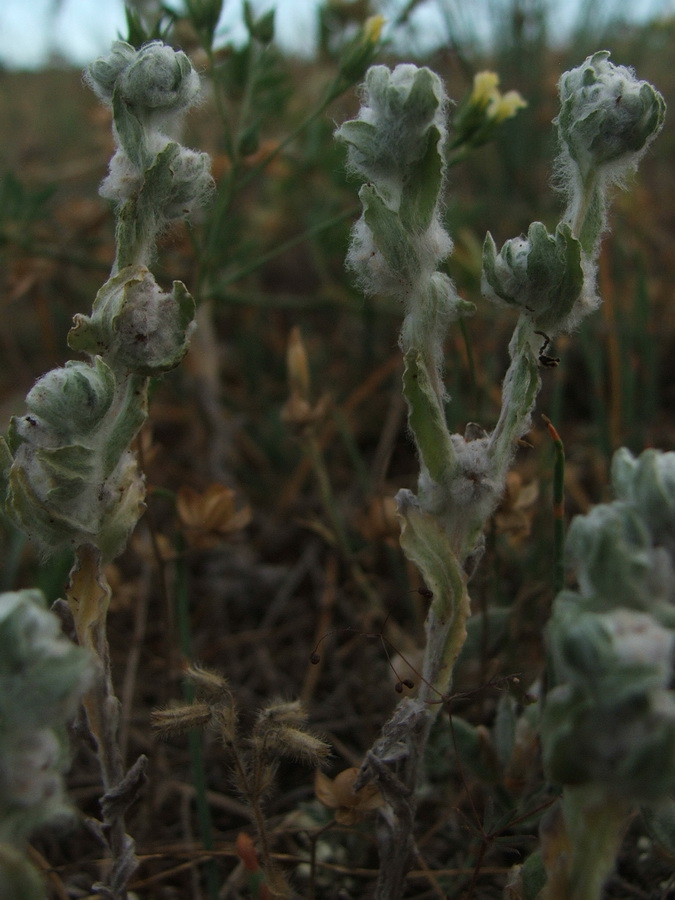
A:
(83, 29)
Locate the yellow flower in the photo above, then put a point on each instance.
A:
(372, 29)
(486, 94)
(505, 106)
(484, 88)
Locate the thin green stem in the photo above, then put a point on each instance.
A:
(470, 359)
(329, 503)
(45, 252)
(236, 181)
(194, 738)
(334, 90)
(558, 508)
(327, 496)
(220, 103)
(281, 249)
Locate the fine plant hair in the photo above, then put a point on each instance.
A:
(397, 146)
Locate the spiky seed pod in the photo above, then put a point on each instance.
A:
(209, 684)
(179, 719)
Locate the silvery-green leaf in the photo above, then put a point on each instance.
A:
(427, 419)
(419, 197)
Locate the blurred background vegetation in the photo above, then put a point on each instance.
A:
(267, 256)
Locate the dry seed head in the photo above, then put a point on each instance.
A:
(280, 731)
(210, 685)
(178, 719)
(299, 745)
(279, 713)
(224, 719)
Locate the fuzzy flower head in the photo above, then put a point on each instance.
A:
(103, 73)
(540, 274)
(610, 720)
(135, 324)
(153, 79)
(401, 111)
(607, 117)
(149, 91)
(624, 552)
(648, 485)
(396, 146)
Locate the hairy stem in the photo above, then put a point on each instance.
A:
(88, 595)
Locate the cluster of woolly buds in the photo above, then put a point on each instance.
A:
(150, 90)
(68, 475)
(400, 111)
(67, 404)
(542, 275)
(134, 325)
(607, 117)
(396, 147)
(647, 483)
(42, 678)
(607, 120)
(609, 719)
(68, 478)
(156, 81)
(61, 500)
(624, 552)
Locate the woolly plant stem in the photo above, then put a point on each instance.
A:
(558, 508)
(88, 595)
(519, 394)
